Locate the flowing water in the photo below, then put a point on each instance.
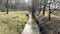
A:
(30, 28)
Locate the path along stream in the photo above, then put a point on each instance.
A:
(30, 28)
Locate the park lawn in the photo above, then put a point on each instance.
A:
(12, 23)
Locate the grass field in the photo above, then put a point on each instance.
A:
(12, 23)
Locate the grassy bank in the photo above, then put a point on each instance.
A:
(12, 23)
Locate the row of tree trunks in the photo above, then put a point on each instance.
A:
(36, 20)
(33, 16)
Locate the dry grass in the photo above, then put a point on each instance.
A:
(12, 23)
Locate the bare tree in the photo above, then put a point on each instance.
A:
(1, 4)
(33, 15)
(49, 12)
(7, 6)
(44, 6)
(40, 6)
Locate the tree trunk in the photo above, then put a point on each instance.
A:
(1, 5)
(33, 16)
(49, 12)
(45, 3)
(7, 7)
(40, 6)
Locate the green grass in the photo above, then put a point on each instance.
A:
(12, 23)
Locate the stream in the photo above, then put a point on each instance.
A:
(30, 28)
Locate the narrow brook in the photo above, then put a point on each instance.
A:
(29, 28)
